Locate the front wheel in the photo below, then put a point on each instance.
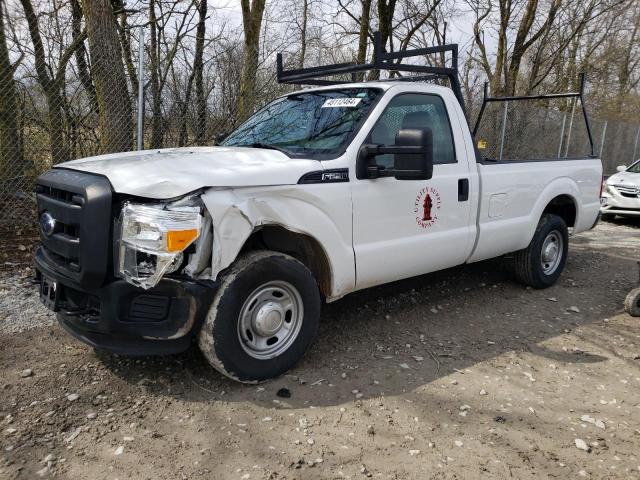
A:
(541, 263)
(632, 303)
(263, 319)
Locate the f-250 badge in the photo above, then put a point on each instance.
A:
(427, 206)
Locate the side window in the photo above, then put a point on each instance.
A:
(415, 110)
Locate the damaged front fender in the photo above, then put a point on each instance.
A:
(237, 213)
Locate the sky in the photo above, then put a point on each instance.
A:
(460, 26)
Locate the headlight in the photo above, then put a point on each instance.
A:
(607, 189)
(152, 239)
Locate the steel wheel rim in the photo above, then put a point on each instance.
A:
(270, 320)
(551, 252)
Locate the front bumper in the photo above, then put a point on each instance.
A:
(128, 320)
(614, 202)
(618, 210)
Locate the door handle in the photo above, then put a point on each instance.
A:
(463, 189)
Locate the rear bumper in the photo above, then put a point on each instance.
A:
(128, 320)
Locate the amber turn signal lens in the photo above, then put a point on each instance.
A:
(178, 240)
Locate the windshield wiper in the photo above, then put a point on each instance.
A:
(264, 145)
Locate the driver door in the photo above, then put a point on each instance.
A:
(403, 228)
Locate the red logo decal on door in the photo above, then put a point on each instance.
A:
(426, 207)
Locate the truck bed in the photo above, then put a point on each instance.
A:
(514, 194)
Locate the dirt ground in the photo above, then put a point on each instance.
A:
(459, 374)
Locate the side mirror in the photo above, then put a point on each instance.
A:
(413, 157)
(621, 168)
(414, 166)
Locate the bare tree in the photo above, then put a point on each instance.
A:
(386, 10)
(252, 13)
(196, 77)
(11, 155)
(81, 55)
(124, 34)
(303, 32)
(503, 74)
(108, 74)
(154, 67)
(165, 40)
(198, 87)
(201, 98)
(364, 32)
(51, 78)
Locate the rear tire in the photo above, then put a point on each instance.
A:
(632, 303)
(541, 263)
(263, 319)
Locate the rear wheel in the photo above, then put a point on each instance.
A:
(263, 319)
(541, 263)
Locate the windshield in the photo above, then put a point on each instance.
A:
(309, 123)
(635, 168)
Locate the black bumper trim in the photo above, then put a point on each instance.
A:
(125, 345)
(104, 317)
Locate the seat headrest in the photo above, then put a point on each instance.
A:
(416, 120)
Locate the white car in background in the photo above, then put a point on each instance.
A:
(621, 192)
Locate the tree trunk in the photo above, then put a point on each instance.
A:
(80, 55)
(201, 98)
(252, 22)
(385, 27)
(524, 41)
(363, 35)
(123, 33)
(51, 86)
(12, 162)
(183, 136)
(303, 33)
(116, 131)
(156, 100)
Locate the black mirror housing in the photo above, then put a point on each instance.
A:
(414, 166)
(413, 157)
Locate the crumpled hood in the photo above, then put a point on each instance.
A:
(173, 172)
(625, 178)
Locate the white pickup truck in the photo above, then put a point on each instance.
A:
(321, 193)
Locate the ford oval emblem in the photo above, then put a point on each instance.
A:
(47, 223)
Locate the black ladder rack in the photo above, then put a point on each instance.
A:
(381, 61)
(386, 61)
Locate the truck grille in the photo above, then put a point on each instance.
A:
(74, 210)
(66, 210)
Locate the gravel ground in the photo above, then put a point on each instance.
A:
(458, 374)
(20, 308)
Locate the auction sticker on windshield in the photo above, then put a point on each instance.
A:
(341, 102)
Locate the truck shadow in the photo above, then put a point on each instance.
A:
(393, 339)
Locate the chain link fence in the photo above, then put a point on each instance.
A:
(554, 128)
(51, 115)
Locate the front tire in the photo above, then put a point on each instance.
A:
(541, 263)
(263, 319)
(632, 303)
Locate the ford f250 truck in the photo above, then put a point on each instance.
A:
(323, 192)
